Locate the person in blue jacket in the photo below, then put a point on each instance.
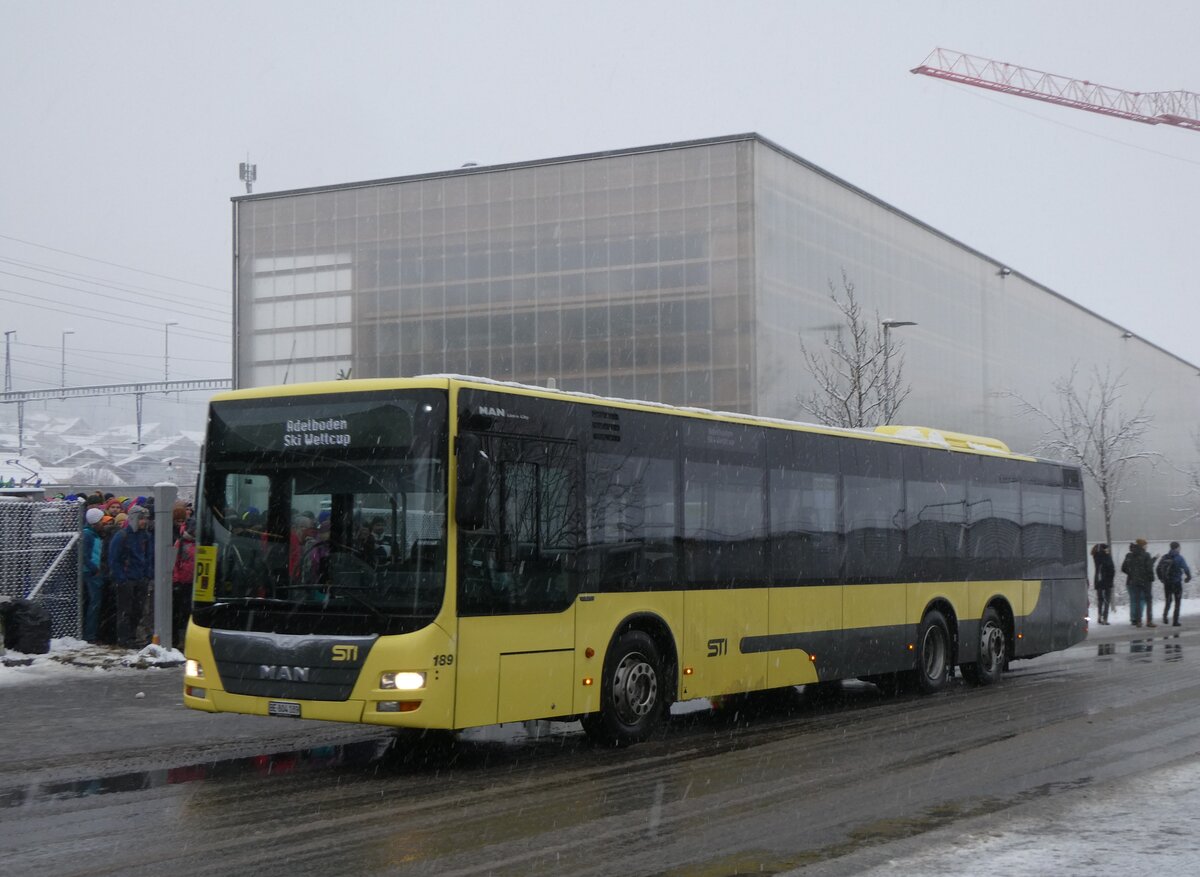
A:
(93, 574)
(1173, 584)
(131, 565)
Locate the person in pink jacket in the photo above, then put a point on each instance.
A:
(181, 581)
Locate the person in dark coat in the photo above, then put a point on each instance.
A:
(1138, 567)
(1173, 586)
(1106, 571)
(131, 565)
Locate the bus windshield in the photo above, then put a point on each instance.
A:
(327, 513)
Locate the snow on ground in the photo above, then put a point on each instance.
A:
(70, 657)
(1145, 824)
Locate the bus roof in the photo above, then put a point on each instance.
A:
(908, 435)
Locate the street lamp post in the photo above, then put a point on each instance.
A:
(167, 349)
(888, 326)
(65, 333)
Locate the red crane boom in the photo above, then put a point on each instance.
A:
(1180, 108)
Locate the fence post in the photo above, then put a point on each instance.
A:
(80, 599)
(164, 560)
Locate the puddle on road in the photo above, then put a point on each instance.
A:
(1168, 647)
(319, 757)
(399, 753)
(505, 745)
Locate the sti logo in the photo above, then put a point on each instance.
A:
(345, 653)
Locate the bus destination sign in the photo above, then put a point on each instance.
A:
(311, 433)
(361, 425)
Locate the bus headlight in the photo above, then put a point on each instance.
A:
(193, 668)
(402, 681)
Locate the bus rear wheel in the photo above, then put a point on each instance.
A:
(993, 651)
(933, 653)
(632, 690)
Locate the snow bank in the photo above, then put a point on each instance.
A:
(75, 657)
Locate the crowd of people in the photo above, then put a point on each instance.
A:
(1141, 569)
(118, 569)
(311, 539)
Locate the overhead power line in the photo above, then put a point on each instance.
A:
(17, 298)
(114, 264)
(92, 368)
(193, 311)
(132, 289)
(124, 353)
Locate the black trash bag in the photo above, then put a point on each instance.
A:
(26, 627)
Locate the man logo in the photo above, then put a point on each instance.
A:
(281, 673)
(345, 653)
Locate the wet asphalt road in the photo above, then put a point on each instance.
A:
(98, 781)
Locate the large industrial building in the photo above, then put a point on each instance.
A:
(688, 273)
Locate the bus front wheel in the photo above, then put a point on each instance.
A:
(631, 692)
(993, 651)
(933, 653)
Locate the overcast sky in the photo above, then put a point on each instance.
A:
(124, 123)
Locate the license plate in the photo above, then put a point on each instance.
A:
(283, 708)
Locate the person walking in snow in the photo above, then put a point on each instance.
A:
(131, 565)
(1105, 573)
(1177, 571)
(1138, 567)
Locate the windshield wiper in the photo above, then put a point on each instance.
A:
(253, 601)
(349, 592)
(329, 590)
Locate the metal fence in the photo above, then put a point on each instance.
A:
(39, 558)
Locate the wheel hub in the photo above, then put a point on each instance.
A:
(635, 688)
(934, 654)
(991, 647)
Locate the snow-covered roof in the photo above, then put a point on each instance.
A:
(82, 456)
(65, 451)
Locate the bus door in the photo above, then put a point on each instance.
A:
(517, 585)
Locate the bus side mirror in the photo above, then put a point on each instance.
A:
(474, 475)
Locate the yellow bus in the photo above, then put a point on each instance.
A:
(446, 552)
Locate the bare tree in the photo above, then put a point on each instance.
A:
(1190, 495)
(1086, 426)
(859, 374)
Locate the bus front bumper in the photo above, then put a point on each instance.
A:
(393, 713)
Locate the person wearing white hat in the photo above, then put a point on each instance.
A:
(93, 578)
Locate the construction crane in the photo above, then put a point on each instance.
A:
(1179, 108)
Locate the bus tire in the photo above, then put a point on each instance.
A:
(632, 693)
(993, 651)
(933, 653)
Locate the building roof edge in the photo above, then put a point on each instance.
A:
(505, 166)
